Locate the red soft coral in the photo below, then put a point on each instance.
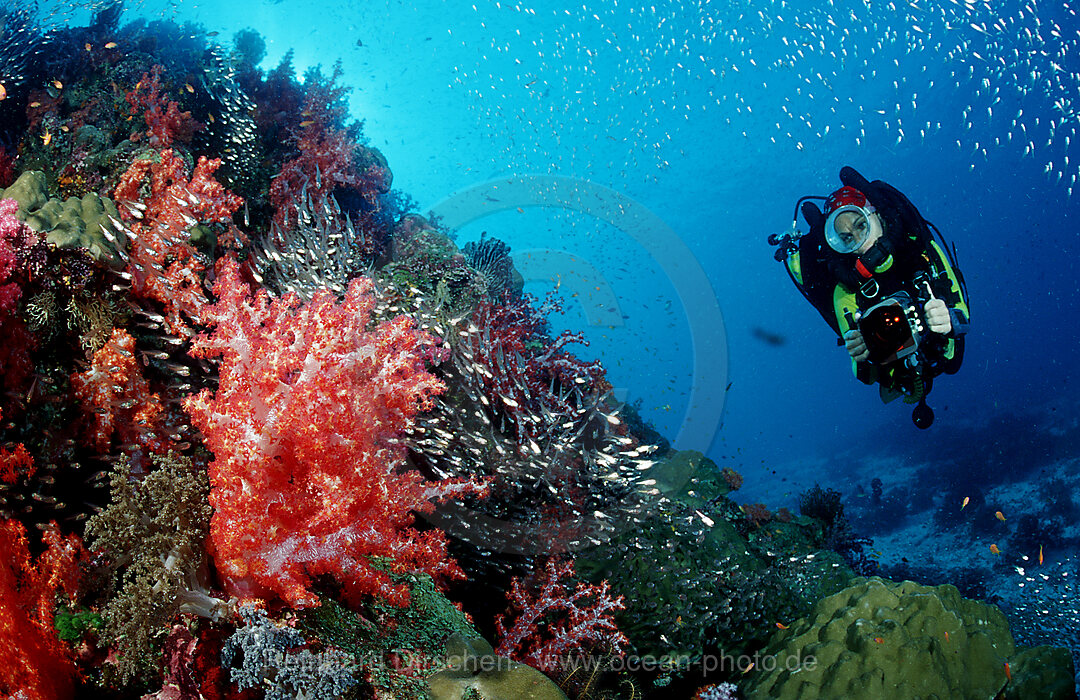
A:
(119, 401)
(34, 664)
(328, 158)
(307, 476)
(164, 264)
(555, 621)
(15, 462)
(164, 120)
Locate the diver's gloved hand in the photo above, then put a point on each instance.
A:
(937, 316)
(856, 346)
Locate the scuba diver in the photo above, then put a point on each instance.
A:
(886, 282)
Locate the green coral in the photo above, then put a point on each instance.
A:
(1041, 672)
(474, 671)
(154, 533)
(72, 626)
(397, 646)
(425, 257)
(68, 223)
(689, 477)
(694, 582)
(905, 641)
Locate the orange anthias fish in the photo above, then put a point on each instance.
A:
(781, 625)
(3, 92)
(994, 549)
(110, 45)
(1008, 671)
(1040, 554)
(999, 515)
(47, 138)
(967, 499)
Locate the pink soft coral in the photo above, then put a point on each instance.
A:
(14, 236)
(559, 619)
(16, 242)
(307, 476)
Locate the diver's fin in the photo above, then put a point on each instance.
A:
(852, 178)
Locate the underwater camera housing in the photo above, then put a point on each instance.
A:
(891, 330)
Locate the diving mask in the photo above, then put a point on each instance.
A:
(848, 227)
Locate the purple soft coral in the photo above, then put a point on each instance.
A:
(14, 234)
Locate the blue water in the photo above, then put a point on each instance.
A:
(662, 104)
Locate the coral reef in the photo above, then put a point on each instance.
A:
(901, 640)
(694, 583)
(826, 506)
(318, 450)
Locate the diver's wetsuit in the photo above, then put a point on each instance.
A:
(837, 289)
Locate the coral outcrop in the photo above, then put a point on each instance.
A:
(904, 641)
